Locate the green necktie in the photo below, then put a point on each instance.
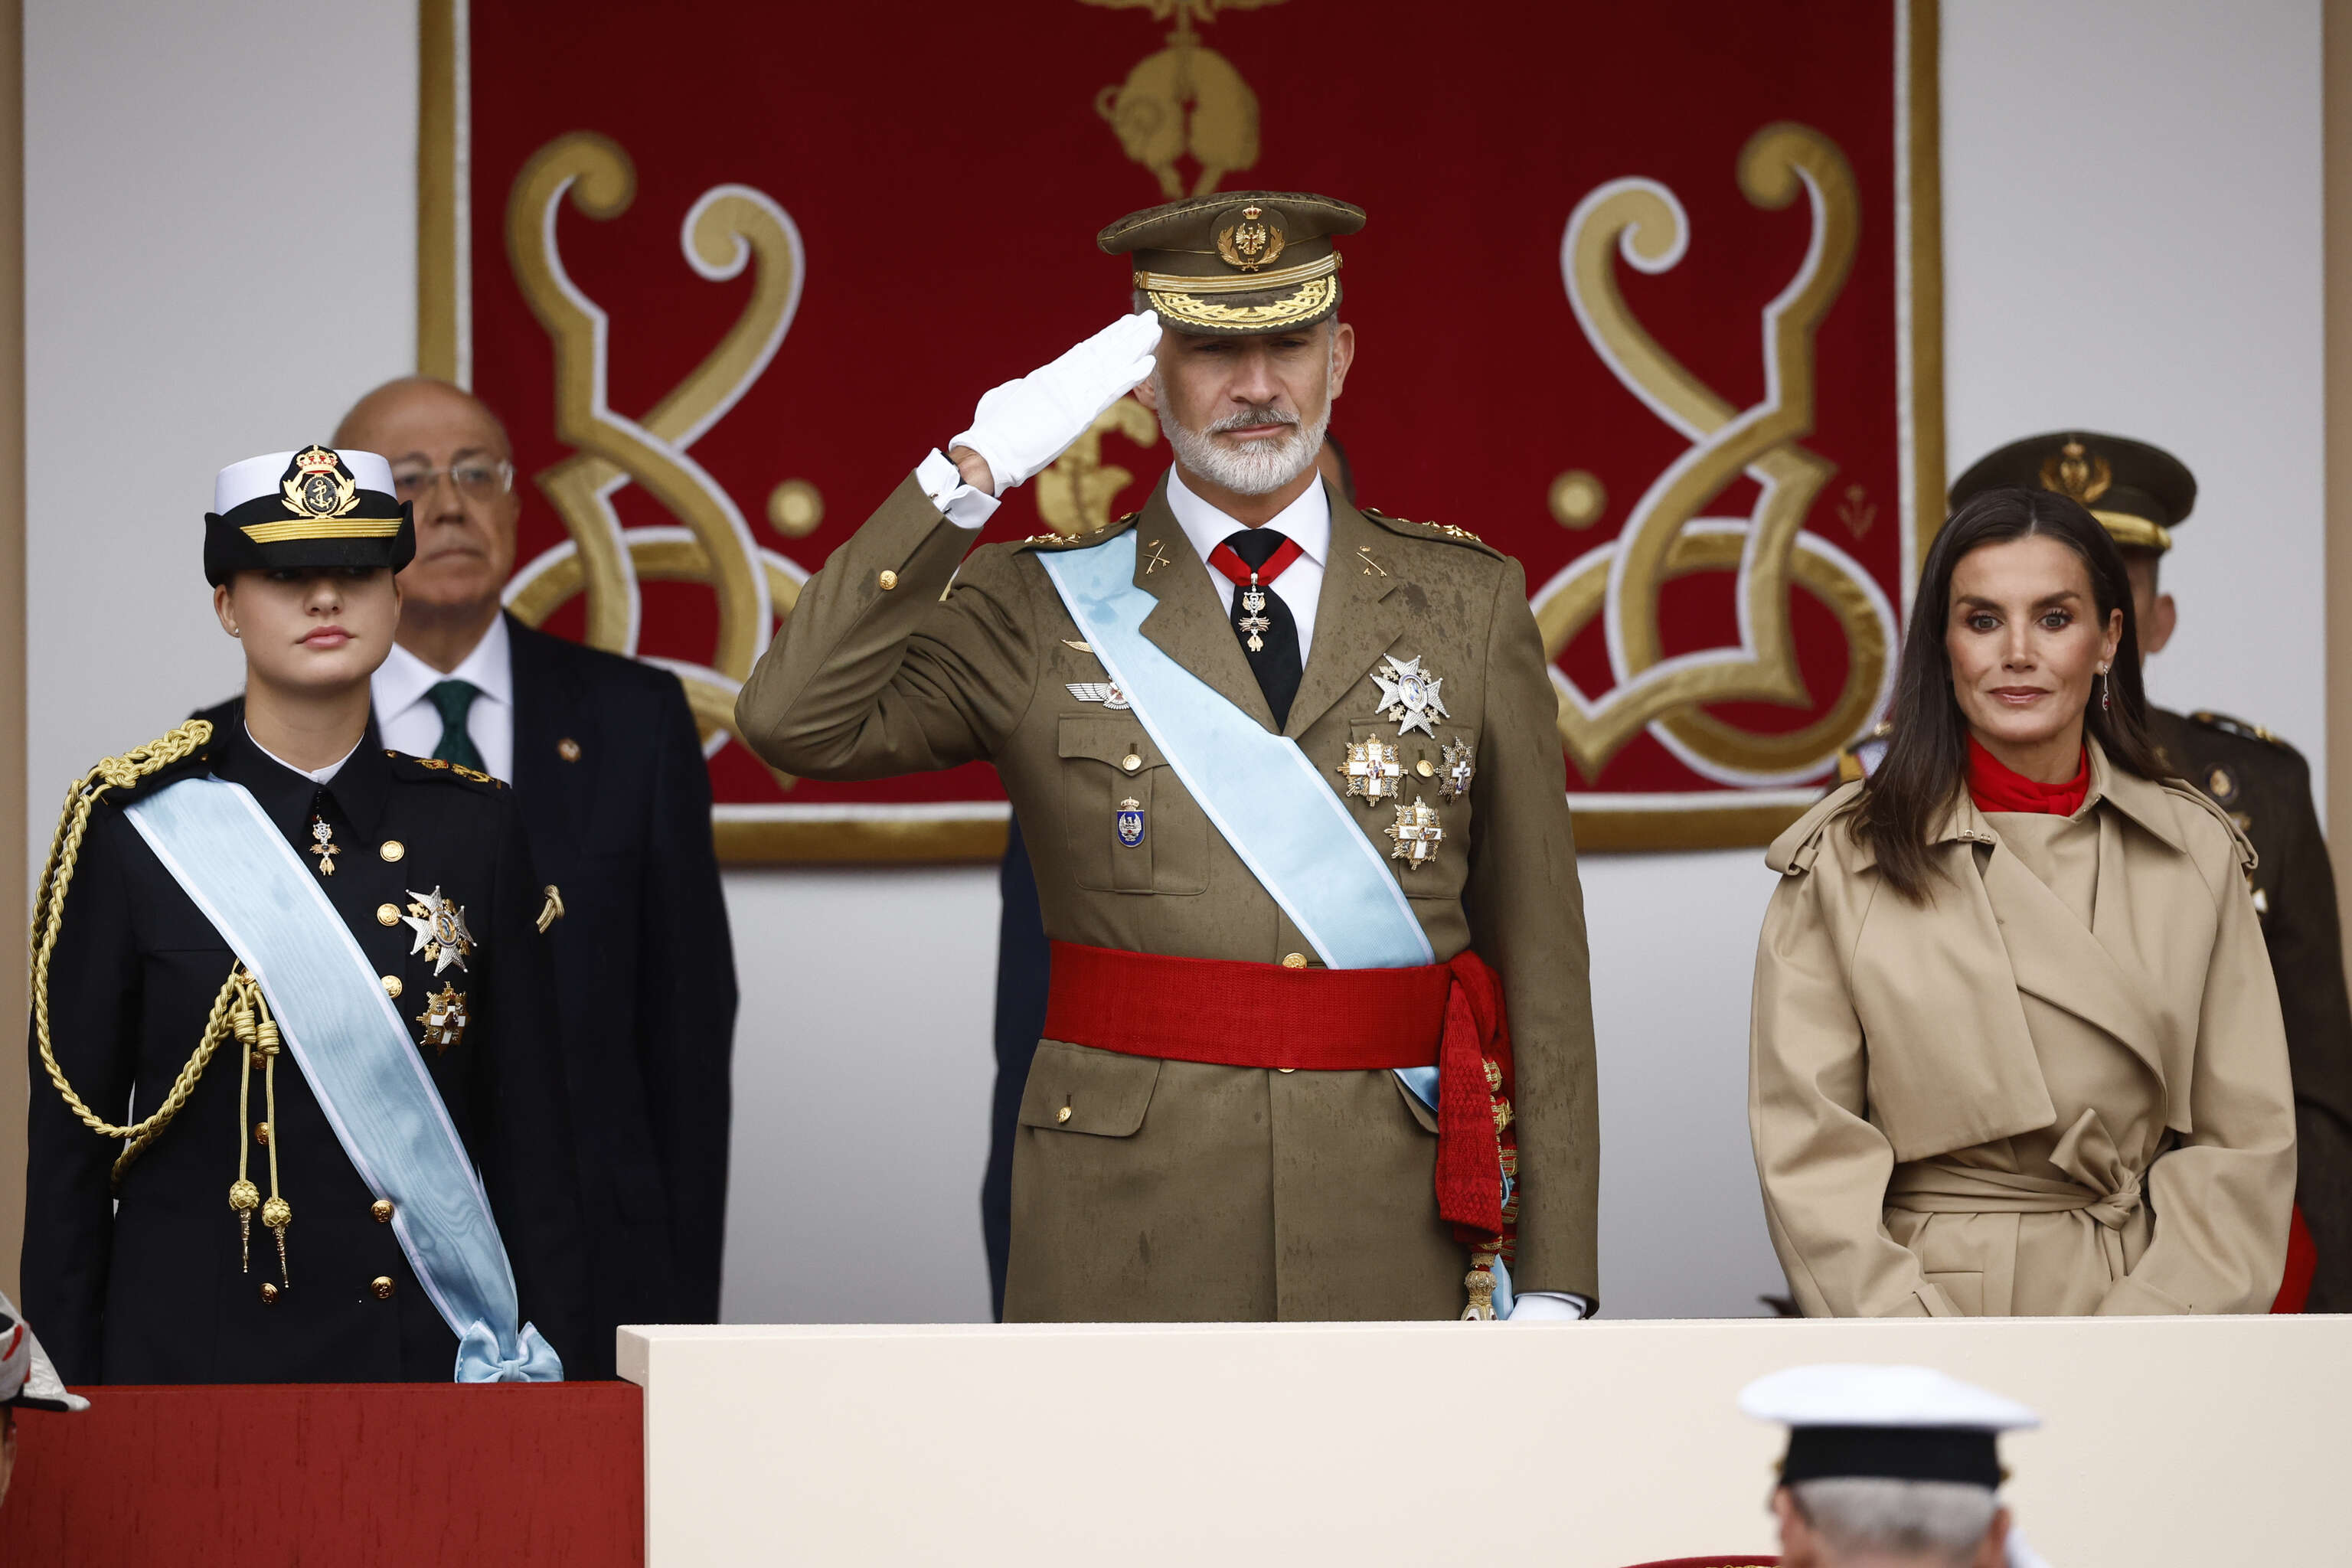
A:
(453, 698)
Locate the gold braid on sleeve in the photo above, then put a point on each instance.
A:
(48, 920)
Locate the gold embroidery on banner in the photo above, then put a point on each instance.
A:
(1187, 99)
(1075, 495)
(730, 228)
(1622, 581)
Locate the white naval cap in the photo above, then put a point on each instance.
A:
(265, 476)
(25, 1375)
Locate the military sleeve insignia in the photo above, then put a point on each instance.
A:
(440, 928)
(444, 1018)
(1460, 767)
(1372, 769)
(1409, 696)
(1415, 834)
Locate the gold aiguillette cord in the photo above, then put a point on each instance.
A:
(257, 1033)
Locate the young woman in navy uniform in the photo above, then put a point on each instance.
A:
(198, 1210)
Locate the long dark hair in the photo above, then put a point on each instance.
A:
(1927, 760)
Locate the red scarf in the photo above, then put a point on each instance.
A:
(1995, 787)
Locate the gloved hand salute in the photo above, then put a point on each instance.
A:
(1021, 426)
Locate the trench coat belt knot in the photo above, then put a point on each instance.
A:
(2104, 1188)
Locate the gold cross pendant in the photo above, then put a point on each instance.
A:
(323, 846)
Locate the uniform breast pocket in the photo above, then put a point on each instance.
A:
(1133, 827)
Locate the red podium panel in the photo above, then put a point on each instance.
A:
(327, 1474)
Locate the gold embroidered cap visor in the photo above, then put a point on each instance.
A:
(2139, 492)
(1236, 263)
(318, 507)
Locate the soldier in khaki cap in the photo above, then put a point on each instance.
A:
(1320, 1039)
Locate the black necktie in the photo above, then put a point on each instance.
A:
(1276, 660)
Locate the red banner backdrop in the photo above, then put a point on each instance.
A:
(1648, 298)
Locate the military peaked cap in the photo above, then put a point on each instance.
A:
(1242, 262)
(2138, 493)
(314, 508)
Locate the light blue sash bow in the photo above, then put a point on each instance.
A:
(354, 1051)
(1289, 826)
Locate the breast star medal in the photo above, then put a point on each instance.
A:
(1460, 767)
(1102, 691)
(1372, 769)
(1409, 696)
(444, 1018)
(1131, 822)
(322, 845)
(440, 928)
(1253, 619)
(1416, 833)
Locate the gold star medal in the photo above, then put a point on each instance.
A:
(444, 1018)
(322, 845)
(1460, 767)
(440, 928)
(1409, 696)
(1416, 833)
(1372, 769)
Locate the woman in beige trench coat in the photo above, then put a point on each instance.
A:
(2016, 1048)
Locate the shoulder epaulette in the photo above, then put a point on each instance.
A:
(1792, 853)
(1068, 541)
(1411, 529)
(407, 767)
(169, 758)
(2247, 858)
(2240, 728)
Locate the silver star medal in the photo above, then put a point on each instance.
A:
(440, 928)
(1409, 696)
(1101, 691)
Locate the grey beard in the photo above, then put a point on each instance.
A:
(1261, 468)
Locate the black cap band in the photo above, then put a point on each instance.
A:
(1892, 1453)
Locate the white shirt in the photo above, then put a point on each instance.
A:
(316, 775)
(1307, 521)
(409, 723)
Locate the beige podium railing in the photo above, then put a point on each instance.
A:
(2188, 1440)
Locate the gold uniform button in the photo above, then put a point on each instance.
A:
(381, 1209)
(381, 1285)
(391, 849)
(1424, 769)
(261, 1134)
(392, 985)
(1294, 961)
(568, 749)
(269, 1294)
(1062, 1114)
(1130, 762)
(887, 580)
(1286, 1070)
(386, 915)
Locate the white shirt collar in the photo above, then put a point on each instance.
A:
(316, 775)
(1306, 520)
(404, 678)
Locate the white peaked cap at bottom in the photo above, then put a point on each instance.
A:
(264, 476)
(1850, 1395)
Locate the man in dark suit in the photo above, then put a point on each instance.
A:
(607, 765)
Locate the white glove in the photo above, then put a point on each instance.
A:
(1021, 426)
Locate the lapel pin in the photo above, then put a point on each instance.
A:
(1157, 560)
(1364, 553)
(568, 749)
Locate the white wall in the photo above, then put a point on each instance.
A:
(2131, 212)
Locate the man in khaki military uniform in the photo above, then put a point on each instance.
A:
(1320, 1035)
(2142, 493)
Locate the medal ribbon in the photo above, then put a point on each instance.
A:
(1227, 561)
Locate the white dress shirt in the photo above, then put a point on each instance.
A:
(1307, 521)
(407, 720)
(316, 775)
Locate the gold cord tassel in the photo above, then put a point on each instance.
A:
(276, 1214)
(244, 1197)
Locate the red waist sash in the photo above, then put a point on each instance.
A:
(1229, 1014)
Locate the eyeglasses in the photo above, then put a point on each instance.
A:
(476, 480)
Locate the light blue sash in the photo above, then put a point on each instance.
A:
(354, 1049)
(1289, 826)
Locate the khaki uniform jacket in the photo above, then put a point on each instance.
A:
(2022, 1097)
(1145, 1190)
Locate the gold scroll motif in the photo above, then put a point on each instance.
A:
(728, 228)
(1187, 99)
(1075, 495)
(1665, 538)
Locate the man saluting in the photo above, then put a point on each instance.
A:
(1320, 1041)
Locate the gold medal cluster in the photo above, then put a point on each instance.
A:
(1411, 698)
